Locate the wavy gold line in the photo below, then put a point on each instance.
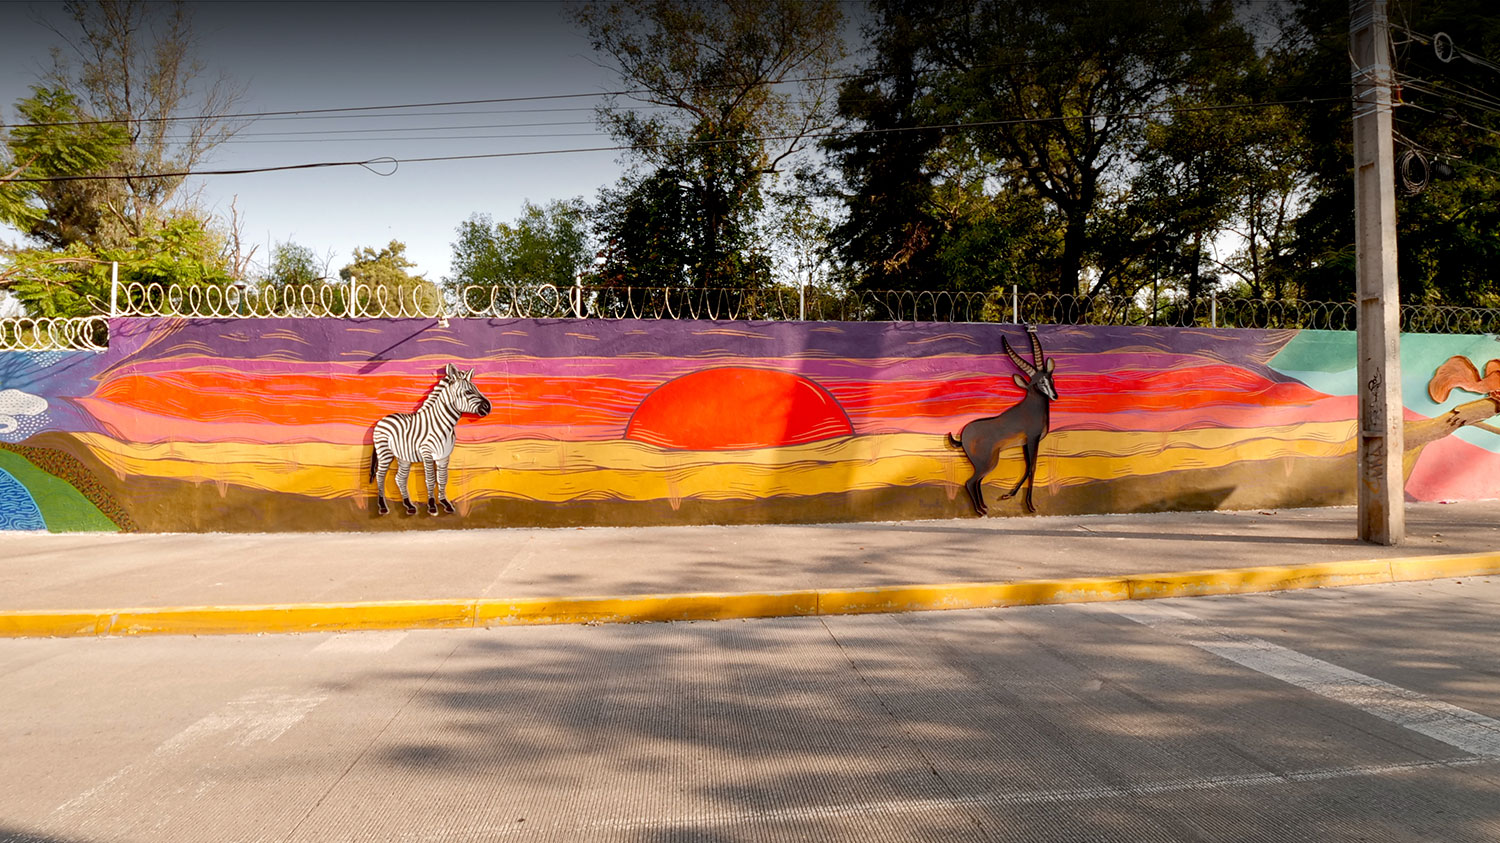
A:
(544, 470)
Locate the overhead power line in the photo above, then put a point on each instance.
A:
(351, 111)
(304, 112)
(370, 163)
(334, 135)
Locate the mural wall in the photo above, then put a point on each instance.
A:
(269, 425)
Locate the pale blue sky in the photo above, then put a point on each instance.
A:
(296, 55)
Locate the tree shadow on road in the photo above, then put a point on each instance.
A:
(1039, 724)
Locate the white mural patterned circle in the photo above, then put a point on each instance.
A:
(21, 414)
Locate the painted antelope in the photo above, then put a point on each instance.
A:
(425, 436)
(983, 439)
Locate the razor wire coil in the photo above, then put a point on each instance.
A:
(353, 300)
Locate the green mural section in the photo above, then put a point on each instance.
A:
(63, 508)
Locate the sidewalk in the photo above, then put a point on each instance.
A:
(102, 574)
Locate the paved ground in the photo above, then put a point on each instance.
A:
(102, 571)
(1342, 714)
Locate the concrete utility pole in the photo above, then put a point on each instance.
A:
(1381, 446)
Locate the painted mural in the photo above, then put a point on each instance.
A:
(267, 425)
(1027, 421)
(426, 436)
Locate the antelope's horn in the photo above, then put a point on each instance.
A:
(1026, 368)
(1036, 346)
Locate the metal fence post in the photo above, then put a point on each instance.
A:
(114, 289)
(1015, 304)
(1213, 309)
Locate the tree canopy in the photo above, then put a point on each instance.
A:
(1086, 148)
(134, 62)
(383, 285)
(1447, 118)
(84, 170)
(739, 86)
(547, 244)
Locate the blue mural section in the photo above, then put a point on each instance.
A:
(18, 511)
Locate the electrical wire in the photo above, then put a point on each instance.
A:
(1435, 42)
(425, 114)
(1489, 107)
(305, 112)
(1462, 121)
(398, 139)
(1142, 114)
(1443, 155)
(409, 129)
(328, 135)
(347, 111)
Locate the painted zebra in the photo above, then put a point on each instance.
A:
(425, 436)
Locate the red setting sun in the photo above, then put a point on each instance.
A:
(735, 408)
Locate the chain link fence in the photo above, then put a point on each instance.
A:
(546, 301)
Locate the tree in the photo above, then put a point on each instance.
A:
(547, 244)
(383, 285)
(1270, 191)
(888, 237)
(53, 140)
(654, 236)
(117, 114)
(183, 251)
(131, 62)
(1064, 86)
(739, 86)
(1219, 172)
(1448, 230)
(294, 282)
(1017, 127)
(294, 265)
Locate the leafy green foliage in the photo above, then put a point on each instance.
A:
(63, 212)
(385, 286)
(135, 72)
(729, 76)
(547, 244)
(293, 265)
(889, 236)
(1038, 154)
(1448, 234)
(183, 251)
(136, 62)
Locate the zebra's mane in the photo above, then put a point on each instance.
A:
(435, 395)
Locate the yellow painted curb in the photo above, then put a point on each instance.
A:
(304, 617)
(974, 595)
(455, 614)
(644, 608)
(1437, 567)
(1266, 578)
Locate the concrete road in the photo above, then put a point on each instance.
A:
(1347, 714)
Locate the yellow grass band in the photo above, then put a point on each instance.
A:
(555, 471)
